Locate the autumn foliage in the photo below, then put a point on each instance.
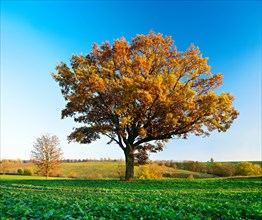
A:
(141, 94)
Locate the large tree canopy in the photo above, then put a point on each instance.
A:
(142, 94)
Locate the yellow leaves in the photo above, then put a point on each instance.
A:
(171, 119)
(157, 82)
(169, 116)
(106, 70)
(144, 96)
(97, 83)
(124, 121)
(126, 81)
(226, 99)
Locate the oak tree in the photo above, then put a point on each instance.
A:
(141, 94)
(46, 154)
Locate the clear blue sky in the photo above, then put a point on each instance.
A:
(35, 35)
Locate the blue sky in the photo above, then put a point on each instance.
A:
(35, 35)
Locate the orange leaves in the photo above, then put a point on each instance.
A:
(121, 47)
(144, 96)
(145, 90)
(120, 50)
(97, 83)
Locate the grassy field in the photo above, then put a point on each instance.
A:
(220, 198)
(93, 170)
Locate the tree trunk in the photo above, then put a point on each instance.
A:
(130, 165)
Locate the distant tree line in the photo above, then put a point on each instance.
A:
(19, 161)
(222, 169)
(14, 161)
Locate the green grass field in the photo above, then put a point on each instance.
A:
(219, 198)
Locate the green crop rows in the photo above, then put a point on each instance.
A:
(112, 199)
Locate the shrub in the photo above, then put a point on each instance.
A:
(150, 171)
(229, 169)
(191, 177)
(248, 169)
(195, 166)
(20, 171)
(220, 169)
(28, 171)
(256, 169)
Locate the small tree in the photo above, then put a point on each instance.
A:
(28, 171)
(46, 154)
(20, 171)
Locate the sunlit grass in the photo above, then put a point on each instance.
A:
(23, 177)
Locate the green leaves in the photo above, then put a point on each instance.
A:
(151, 199)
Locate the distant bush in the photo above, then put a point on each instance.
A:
(20, 171)
(150, 171)
(28, 171)
(228, 169)
(191, 177)
(195, 166)
(219, 169)
(248, 169)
